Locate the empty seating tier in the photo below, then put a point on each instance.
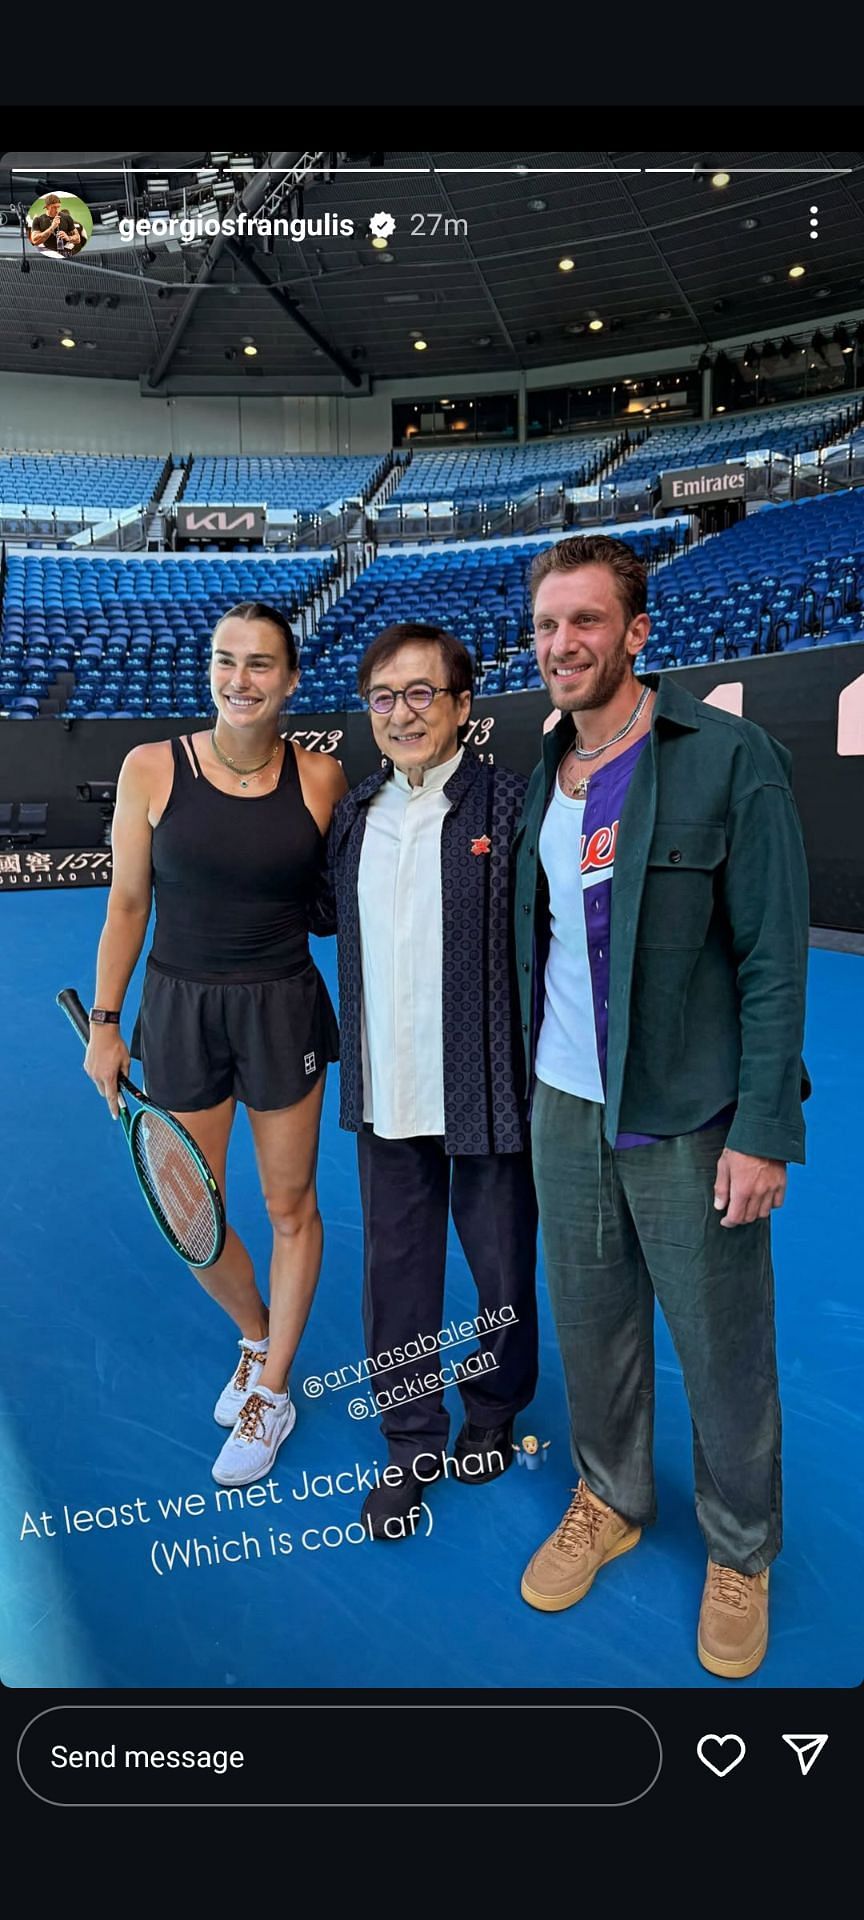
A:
(129, 637)
(303, 482)
(498, 474)
(78, 480)
(784, 578)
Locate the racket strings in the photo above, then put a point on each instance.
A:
(176, 1184)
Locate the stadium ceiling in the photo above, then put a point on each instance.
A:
(667, 260)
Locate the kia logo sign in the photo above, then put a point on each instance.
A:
(698, 486)
(230, 523)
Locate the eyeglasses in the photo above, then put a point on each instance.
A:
(417, 697)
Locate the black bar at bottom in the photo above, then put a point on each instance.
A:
(339, 1755)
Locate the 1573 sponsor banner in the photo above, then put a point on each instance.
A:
(23, 868)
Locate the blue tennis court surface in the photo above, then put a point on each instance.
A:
(113, 1357)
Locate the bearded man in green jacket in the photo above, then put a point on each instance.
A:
(662, 918)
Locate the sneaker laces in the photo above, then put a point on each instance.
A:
(581, 1523)
(251, 1423)
(241, 1377)
(728, 1588)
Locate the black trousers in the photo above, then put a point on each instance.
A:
(408, 1189)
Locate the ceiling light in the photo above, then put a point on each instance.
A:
(92, 299)
(219, 159)
(537, 206)
(766, 279)
(242, 163)
(248, 345)
(157, 186)
(36, 340)
(66, 340)
(420, 346)
(224, 190)
(72, 299)
(719, 409)
(566, 265)
(750, 357)
(795, 273)
(379, 242)
(207, 208)
(750, 223)
(206, 176)
(484, 340)
(596, 325)
(112, 300)
(823, 293)
(109, 217)
(720, 179)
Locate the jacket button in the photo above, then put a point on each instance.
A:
(526, 909)
(526, 967)
(675, 855)
(524, 1026)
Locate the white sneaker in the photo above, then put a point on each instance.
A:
(257, 1435)
(233, 1398)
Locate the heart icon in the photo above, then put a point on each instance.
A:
(718, 1741)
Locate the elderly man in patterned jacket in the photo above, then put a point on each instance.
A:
(432, 1072)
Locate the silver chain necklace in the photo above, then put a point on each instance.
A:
(579, 789)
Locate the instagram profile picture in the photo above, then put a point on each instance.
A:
(59, 225)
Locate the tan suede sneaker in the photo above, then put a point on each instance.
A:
(733, 1622)
(563, 1569)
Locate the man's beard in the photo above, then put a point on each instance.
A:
(607, 677)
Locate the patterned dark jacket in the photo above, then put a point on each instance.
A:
(484, 1104)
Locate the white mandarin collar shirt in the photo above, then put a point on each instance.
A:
(401, 950)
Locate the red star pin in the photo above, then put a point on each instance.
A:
(483, 845)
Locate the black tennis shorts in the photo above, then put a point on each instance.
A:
(265, 1043)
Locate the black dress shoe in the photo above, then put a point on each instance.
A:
(482, 1453)
(395, 1512)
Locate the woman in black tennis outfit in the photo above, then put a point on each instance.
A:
(227, 827)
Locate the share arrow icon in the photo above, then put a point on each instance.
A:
(807, 1746)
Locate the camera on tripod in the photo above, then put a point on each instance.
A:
(104, 794)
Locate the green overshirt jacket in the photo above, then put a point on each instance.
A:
(709, 930)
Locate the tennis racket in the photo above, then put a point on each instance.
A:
(171, 1170)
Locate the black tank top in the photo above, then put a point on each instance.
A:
(233, 879)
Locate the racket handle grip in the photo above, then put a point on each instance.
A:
(74, 1011)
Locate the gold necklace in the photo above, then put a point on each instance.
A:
(244, 774)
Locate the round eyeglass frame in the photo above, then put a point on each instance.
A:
(391, 695)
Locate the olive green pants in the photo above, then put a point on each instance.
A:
(620, 1228)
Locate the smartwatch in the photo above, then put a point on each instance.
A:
(100, 1017)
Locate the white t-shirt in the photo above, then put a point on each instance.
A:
(567, 1055)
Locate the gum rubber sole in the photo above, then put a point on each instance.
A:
(558, 1602)
(732, 1669)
